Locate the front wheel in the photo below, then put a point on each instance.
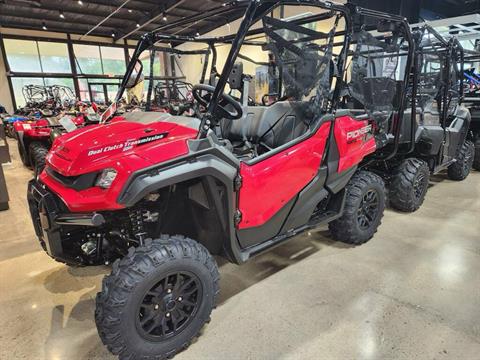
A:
(460, 169)
(157, 298)
(363, 212)
(38, 153)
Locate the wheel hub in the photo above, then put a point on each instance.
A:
(169, 306)
(419, 186)
(368, 209)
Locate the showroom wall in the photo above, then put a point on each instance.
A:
(5, 98)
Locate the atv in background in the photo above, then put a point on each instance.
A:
(9, 120)
(49, 111)
(174, 97)
(158, 194)
(472, 101)
(36, 136)
(435, 127)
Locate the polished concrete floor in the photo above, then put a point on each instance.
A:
(413, 292)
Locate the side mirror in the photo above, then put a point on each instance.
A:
(136, 75)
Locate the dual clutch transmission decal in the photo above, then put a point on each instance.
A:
(128, 144)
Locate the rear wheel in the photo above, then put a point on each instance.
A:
(38, 153)
(157, 298)
(476, 161)
(364, 207)
(409, 185)
(460, 169)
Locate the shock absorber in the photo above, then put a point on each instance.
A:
(136, 220)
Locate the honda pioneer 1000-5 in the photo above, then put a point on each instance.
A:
(159, 194)
(435, 129)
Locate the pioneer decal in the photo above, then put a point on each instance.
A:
(127, 145)
(353, 135)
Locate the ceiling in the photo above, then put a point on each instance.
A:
(114, 18)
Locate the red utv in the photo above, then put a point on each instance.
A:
(158, 194)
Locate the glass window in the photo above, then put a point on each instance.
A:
(145, 59)
(100, 93)
(113, 60)
(22, 55)
(18, 84)
(54, 57)
(88, 59)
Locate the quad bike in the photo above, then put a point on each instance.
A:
(35, 136)
(173, 96)
(158, 195)
(434, 134)
(472, 101)
(9, 120)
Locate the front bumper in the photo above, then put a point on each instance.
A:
(43, 210)
(52, 224)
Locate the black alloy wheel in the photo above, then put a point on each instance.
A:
(368, 209)
(157, 298)
(169, 306)
(419, 186)
(365, 198)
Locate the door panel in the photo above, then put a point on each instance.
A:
(270, 184)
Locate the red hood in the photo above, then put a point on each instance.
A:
(134, 140)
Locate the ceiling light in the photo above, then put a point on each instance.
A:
(138, 25)
(113, 33)
(197, 34)
(61, 15)
(129, 10)
(44, 27)
(80, 2)
(164, 17)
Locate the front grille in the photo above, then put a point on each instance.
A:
(80, 182)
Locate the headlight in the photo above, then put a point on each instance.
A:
(106, 178)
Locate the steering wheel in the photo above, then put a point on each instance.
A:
(223, 112)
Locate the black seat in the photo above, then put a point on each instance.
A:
(272, 126)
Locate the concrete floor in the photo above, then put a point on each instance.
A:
(412, 292)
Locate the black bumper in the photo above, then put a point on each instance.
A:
(43, 210)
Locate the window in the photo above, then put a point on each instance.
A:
(22, 55)
(145, 59)
(88, 59)
(54, 57)
(18, 84)
(113, 60)
(100, 93)
(51, 61)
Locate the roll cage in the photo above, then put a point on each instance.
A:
(255, 11)
(447, 82)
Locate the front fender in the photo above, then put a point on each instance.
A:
(205, 165)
